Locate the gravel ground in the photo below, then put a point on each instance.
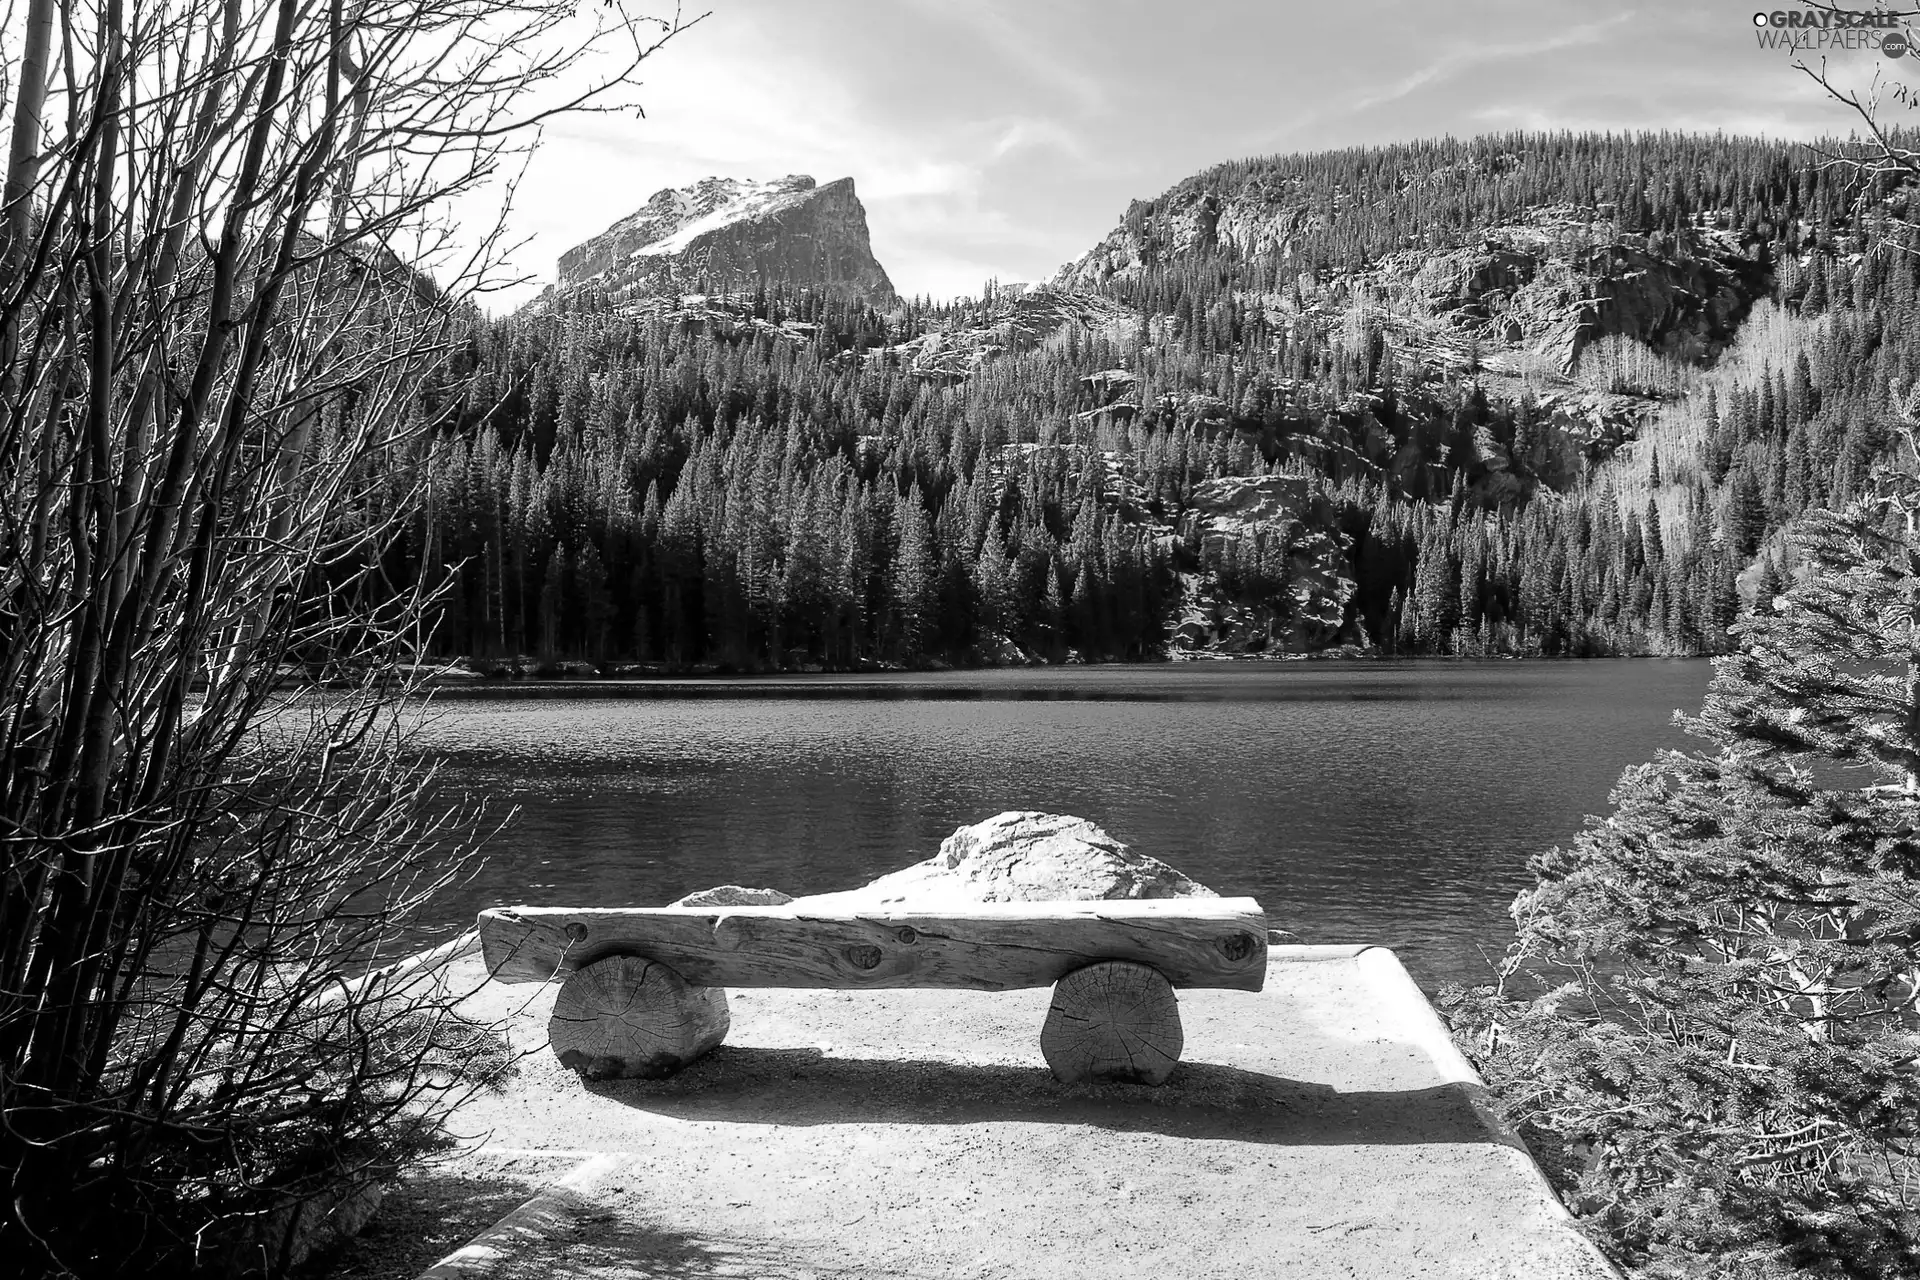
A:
(1319, 1128)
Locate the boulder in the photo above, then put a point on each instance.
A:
(1022, 856)
(997, 649)
(1016, 856)
(733, 895)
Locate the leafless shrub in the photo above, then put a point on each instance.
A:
(213, 344)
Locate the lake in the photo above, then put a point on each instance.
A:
(1387, 802)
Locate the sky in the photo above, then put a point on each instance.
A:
(999, 139)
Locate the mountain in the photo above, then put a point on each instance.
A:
(724, 235)
(1514, 301)
(1529, 394)
(1547, 283)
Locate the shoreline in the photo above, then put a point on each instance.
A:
(456, 675)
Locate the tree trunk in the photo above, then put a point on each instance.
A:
(23, 152)
(1912, 726)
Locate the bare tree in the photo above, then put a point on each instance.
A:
(1880, 160)
(217, 356)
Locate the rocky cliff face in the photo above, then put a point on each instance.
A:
(1281, 528)
(1560, 281)
(1536, 292)
(725, 234)
(1012, 321)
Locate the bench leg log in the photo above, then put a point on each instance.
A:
(1114, 1020)
(627, 1017)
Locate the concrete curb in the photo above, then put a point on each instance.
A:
(404, 974)
(557, 1208)
(1317, 953)
(1410, 1008)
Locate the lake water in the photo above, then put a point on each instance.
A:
(1394, 803)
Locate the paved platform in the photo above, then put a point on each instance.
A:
(1323, 1127)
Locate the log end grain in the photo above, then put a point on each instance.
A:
(1113, 1020)
(630, 1018)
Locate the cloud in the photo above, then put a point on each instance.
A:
(1039, 133)
(1016, 42)
(988, 140)
(1462, 57)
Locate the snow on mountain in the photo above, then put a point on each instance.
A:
(723, 234)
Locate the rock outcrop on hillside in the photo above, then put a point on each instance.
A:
(1017, 856)
(1560, 281)
(1553, 281)
(1010, 321)
(1279, 528)
(726, 234)
(1519, 303)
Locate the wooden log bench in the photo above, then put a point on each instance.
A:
(644, 991)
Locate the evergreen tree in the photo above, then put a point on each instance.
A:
(1746, 513)
(913, 579)
(1730, 961)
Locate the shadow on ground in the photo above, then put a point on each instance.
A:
(428, 1214)
(605, 1233)
(1202, 1100)
(422, 1218)
(611, 1246)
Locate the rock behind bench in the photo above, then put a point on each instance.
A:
(1017, 856)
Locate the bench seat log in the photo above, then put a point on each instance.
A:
(1192, 942)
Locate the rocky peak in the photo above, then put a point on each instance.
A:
(724, 234)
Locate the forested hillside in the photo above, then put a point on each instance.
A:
(1524, 394)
